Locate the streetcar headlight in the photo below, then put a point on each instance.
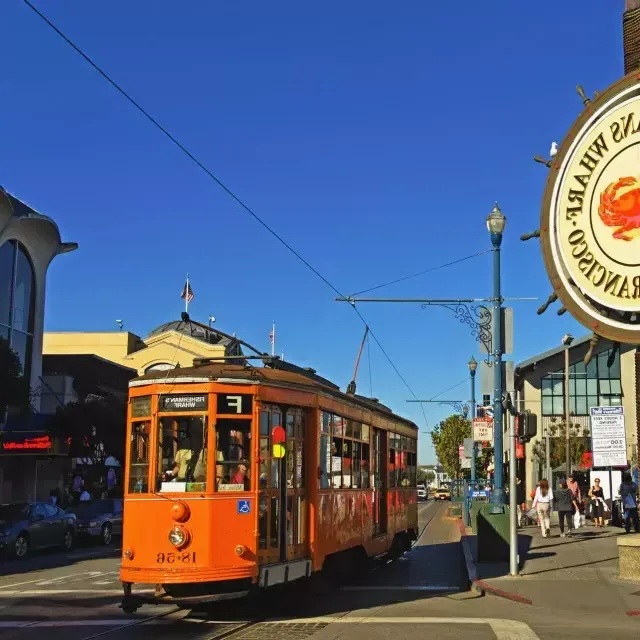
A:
(178, 537)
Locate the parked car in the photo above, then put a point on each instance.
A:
(100, 519)
(422, 493)
(26, 526)
(443, 493)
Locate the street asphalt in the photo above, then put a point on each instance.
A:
(75, 596)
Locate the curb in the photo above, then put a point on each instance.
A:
(481, 587)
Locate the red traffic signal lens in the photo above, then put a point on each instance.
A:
(278, 435)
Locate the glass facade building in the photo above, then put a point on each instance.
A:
(17, 301)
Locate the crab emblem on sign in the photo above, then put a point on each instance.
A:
(590, 223)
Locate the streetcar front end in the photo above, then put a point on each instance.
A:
(190, 524)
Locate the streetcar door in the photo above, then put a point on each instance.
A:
(294, 503)
(282, 494)
(379, 484)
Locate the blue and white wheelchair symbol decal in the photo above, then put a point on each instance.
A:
(244, 507)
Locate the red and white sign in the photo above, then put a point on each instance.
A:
(483, 429)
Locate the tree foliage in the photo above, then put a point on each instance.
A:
(579, 444)
(425, 475)
(93, 428)
(446, 438)
(14, 388)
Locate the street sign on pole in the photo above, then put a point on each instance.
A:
(507, 331)
(608, 437)
(483, 430)
(468, 447)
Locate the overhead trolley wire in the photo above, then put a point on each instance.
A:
(217, 180)
(420, 273)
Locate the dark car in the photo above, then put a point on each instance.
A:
(26, 526)
(99, 519)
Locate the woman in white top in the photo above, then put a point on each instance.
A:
(542, 504)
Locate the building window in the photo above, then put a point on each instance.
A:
(17, 301)
(596, 385)
(160, 366)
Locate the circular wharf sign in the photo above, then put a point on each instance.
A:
(590, 228)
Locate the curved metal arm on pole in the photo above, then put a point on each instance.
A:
(478, 317)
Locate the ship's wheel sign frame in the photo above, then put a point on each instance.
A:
(590, 223)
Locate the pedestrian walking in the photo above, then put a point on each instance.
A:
(597, 503)
(565, 502)
(521, 502)
(542, 504)
(574, 487)
(629, 494)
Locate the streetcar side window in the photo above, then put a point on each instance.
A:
(233, 455)
(139, 457)
(182, 454)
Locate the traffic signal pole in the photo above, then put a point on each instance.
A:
(513, 489)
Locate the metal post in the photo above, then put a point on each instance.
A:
(498, 495)
(513, 498)
(473, 415)
(548, 472)
(567, 413)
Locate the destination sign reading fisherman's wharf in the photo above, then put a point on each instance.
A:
(590, 228)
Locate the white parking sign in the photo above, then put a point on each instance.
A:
(482, 430)
(608, 437)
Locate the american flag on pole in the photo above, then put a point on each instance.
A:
(272, 336)
(187, 292)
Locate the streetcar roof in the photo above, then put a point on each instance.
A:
(286, 375)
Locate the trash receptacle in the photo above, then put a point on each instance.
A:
(493, 533)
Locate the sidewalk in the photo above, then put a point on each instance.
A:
(555, 573)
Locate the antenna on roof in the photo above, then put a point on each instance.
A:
(120, 324)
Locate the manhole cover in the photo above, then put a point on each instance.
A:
(276, 631)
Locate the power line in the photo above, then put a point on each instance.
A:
(420, 273)
(211, 175)
(455, 386)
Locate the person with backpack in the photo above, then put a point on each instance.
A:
(629, 494)
(565, 500)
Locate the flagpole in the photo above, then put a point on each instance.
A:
(273, 342)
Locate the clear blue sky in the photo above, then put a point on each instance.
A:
(374, 136)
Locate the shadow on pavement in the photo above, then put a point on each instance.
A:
(55, 558)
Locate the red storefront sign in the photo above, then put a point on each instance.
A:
(40, 443)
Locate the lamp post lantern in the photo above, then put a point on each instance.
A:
(473, 365)
(496, 222)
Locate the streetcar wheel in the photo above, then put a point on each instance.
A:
(127, 607)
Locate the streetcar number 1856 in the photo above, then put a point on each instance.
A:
(184, 557)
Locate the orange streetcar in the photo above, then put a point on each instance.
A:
(240, 477)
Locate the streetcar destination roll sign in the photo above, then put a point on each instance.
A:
(608, 437)
(183, 403)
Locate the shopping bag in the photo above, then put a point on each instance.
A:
(576, 520)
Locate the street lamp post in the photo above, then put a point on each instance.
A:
(473, 365)
(496, 222)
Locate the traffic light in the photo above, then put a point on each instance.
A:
(526, 426)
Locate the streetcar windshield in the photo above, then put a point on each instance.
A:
(182, 454)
